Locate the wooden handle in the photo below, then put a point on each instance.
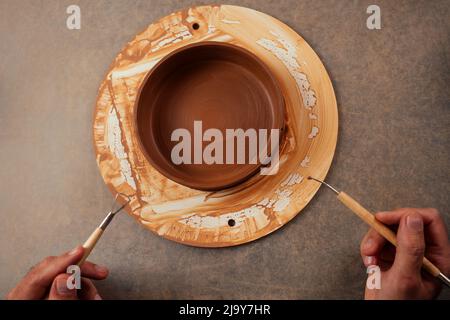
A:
(90, 244)
(387, 233)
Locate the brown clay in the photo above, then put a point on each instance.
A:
(222, 85)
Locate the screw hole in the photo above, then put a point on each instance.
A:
(195, 26)
(231, 222)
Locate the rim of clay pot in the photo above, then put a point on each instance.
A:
(278, 118)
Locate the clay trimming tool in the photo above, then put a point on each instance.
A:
(95, 236)
(383, 230)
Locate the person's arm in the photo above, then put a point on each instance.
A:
(420, 232)
(48, 279)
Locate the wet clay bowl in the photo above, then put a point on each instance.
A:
(223, 86)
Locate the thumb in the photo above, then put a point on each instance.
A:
(60, 290)
(410, 246)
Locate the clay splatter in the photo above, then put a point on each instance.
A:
(305, 162)
(314, 132)
(117, 148)
(288, 55)
(230, 21)
(292, 179)
(254, 212)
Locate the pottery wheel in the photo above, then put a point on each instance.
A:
(257, 206)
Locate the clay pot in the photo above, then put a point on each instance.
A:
(223, 86)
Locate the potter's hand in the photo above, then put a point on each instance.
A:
(48, 279)
(420, 231)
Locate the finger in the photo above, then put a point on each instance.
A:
(386, 257)
(436, 231)
(88, 290)
(37, 281)
(94, 271)
(370, 261)
(388, 253)
(60, 289)
(410, 246)
(384, 260)
(372, 243)
(392, 217)
(44, 273)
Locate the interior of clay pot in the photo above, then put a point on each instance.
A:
(221, 85)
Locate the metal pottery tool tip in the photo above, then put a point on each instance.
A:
(114, 209)
(324, 183)
(95, 236)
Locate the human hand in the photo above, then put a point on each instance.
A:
(420, 232)
(48, 279)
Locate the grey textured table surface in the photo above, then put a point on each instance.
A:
(392, 87)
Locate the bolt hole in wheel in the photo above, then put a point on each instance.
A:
(195, 26)
(231, 222)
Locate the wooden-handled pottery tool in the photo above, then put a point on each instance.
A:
(95, 236)
(383, 230)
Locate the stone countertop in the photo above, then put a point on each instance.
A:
(392, 87)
